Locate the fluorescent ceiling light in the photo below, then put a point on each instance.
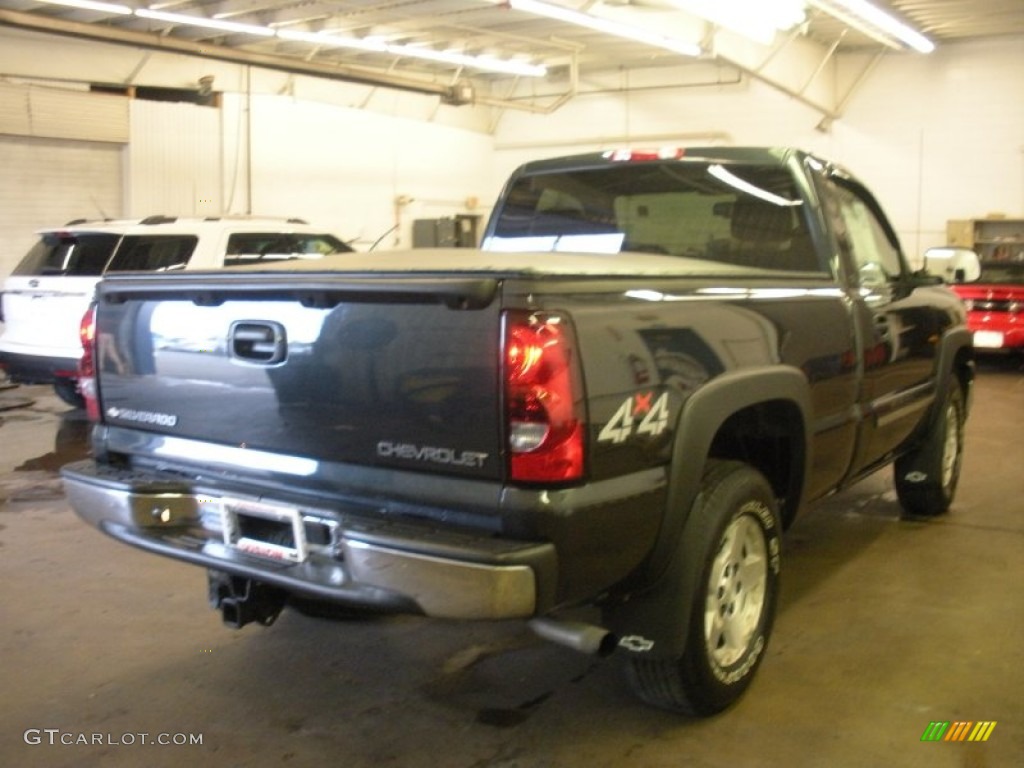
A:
(489, 63)
(607, 26)
(206, 23)
(181, 448)
(757, 20)
(483, 62)
(721, 173)
(89, 5)
(876, 23)
(333, 41)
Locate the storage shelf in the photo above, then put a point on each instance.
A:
(991, 239)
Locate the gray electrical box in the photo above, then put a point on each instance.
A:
(458, 231)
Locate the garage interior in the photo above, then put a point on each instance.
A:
(396, 124)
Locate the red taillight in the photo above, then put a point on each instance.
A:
(87, 364)
(543, 400)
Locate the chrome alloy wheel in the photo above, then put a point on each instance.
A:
(736, 591)
(951, 445)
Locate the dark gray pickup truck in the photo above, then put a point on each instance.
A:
(616, 407)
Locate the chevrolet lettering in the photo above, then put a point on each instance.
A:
(387, 449)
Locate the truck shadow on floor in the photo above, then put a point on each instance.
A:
(71, 443)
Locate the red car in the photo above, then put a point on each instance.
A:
(995, 306)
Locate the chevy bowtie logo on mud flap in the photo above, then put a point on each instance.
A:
(636, 643)
(143, 417)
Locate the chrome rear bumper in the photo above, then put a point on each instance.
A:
(364, 561)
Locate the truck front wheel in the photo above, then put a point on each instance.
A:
(734, 605)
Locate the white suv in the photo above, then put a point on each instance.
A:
(45, 297)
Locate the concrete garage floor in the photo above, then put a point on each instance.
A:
(885, 625)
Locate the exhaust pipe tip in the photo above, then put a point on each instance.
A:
(582, 637)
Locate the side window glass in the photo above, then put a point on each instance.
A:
(153, 253)
(311, 246)
(241, 246)
(250, 247)
(876, 257)
(255, 248)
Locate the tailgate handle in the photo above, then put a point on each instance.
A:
(257, 341)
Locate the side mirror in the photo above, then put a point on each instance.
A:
(953, 264)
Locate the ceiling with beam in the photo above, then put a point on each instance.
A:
(466, 50)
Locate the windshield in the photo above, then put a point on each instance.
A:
(1002, 272)
(737, 214)
(62, 253)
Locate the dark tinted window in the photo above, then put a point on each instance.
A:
(152, 253)
(866, 237)
(738, 214)
(66, 254)
(254, 247)
(1004, 272)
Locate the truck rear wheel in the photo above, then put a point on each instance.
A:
(734, 605)
(67, 390)
(926, 478)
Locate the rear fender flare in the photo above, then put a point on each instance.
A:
(656, 620)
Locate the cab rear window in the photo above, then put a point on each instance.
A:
(80, 254)
(745, 215)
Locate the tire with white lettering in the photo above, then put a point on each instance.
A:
(926, 478)
(734, 606)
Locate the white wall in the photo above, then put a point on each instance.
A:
(936, 137)
(941, 137)
(48, 182)
(347, 167)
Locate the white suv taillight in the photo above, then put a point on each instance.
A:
(543, 399)
(87, 364)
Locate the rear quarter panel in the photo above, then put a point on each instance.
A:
(647, 346)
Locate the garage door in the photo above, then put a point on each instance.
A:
(45, 182)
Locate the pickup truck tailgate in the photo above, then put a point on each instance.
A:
(365, 371)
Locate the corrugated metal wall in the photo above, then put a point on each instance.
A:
(61, 157)
(47, 182)
(55, 113)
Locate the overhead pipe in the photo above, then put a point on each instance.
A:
(538, 109)
(114, 35)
